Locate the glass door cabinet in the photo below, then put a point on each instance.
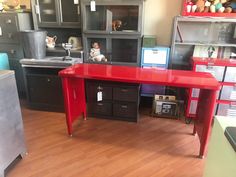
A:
(58, 13)
(116, 27)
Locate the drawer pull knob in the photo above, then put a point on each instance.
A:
(209, 67)
(8, 21)
(124, 90)
(100, 88)
(10, 35)
(124, 106)
(12, 51)
(49, 80)
(100, 104)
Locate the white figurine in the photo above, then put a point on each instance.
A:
(95, 54)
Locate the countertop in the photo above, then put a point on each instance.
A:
(50, 62)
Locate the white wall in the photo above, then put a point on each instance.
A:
(158, 18)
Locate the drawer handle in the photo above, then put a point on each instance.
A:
(124, 106)
(12, 51)
(100, 88)
(124, 90)
(8, 21)
(10, 35)
(100, 104)
(209, 67)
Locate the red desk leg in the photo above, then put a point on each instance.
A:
(74, 100)
(205, 113)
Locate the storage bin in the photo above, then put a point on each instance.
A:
(156, 56)
(230, 75)
(226, 110)
(228, 93)
(34, 43)
(4, 63)
(216, 71)
(149, 41)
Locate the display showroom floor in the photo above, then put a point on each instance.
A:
(153, 147)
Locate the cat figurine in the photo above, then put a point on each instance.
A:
(116, 25)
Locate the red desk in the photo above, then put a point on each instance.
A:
(74, 90)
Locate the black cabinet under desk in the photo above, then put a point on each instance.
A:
(44, 89)
(112, 100)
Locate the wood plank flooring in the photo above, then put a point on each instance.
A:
(154, 147)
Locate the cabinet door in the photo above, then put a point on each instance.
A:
(103, 55)
(44, 89)
(70, 13)
(125, 51)
(47, 13)
(112, 16)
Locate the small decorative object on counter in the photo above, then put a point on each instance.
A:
(95, 54)
(51, 41)
(76, 42)
(67, 47)
(116, 25)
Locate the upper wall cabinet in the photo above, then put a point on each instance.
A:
(57, 13)
(109, 16)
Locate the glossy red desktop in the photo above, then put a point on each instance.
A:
(74, 90)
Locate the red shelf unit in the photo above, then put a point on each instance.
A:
(225, 73)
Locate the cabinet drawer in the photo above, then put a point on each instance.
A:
(100, 108)
(216, 71)
(129, 110)
(9, 22)
(226, 110)
(93, 88)
(9, 37)
(126, 93)
(195, 93)
(13, 51)
(193, 107)
(228, 93)
(230, 75)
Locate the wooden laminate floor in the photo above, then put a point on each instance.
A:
(154, 147)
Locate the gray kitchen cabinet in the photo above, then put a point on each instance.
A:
(10, 26)
(195, 36)
(117, 27)
(56, 13)
(12, 143)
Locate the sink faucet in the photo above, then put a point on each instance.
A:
(67, 47)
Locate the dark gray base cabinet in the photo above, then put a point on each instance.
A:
(11, 23)
(44, 89)
(119, 100)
